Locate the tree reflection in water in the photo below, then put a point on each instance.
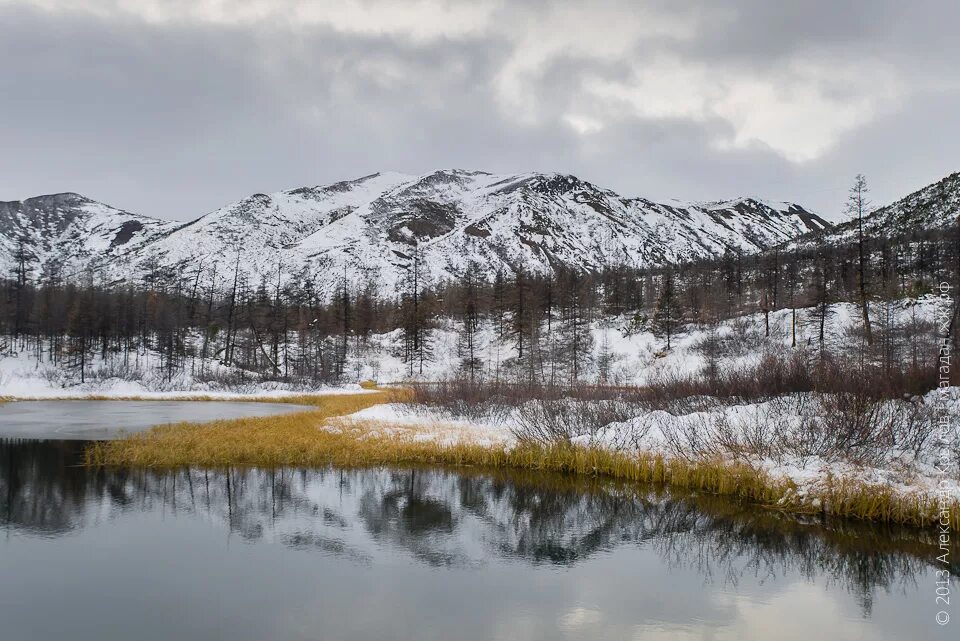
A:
(445, 518)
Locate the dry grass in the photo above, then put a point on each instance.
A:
(289, 439)
(309, 439)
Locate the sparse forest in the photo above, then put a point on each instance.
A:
(221, 327)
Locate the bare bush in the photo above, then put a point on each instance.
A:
(847, 426)
(761, 431)
(561, 420)
(463, 398)
(745, 336)
(690, 438)
(859, 428)
(459, 397)
(54, 376)
(115, 369)
(773, 374)
(225, 378)
(777, 374)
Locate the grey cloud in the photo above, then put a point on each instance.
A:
(177, 117)
(889, 28)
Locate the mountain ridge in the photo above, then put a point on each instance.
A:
(372, 225)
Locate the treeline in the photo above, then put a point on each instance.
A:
(279, 333)
(289, 329)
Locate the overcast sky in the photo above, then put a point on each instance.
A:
(172, 108)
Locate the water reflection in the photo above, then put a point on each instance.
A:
(446, 519)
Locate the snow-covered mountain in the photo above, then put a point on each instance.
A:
(370, 228)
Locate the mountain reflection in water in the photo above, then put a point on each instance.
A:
(462, 520)
(44, 491)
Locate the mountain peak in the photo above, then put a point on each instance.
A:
(67, 232)
(61, 198)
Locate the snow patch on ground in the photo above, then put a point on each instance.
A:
(21, 377)
(397, 419)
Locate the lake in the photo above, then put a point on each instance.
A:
(97, 420)
(420, 554)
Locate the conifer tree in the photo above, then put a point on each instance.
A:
(667, 315)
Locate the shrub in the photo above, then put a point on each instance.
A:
(549, 421)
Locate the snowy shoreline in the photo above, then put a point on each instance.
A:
(901, 474)
(124, 392)
(21, 378)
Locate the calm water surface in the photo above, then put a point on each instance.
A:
(423, 554)
(93, 420)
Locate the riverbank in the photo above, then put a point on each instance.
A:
(348, 430)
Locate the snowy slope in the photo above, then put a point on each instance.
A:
(369, 228)
(934, 207)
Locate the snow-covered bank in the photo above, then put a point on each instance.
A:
(23, 378)
(713, 433)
